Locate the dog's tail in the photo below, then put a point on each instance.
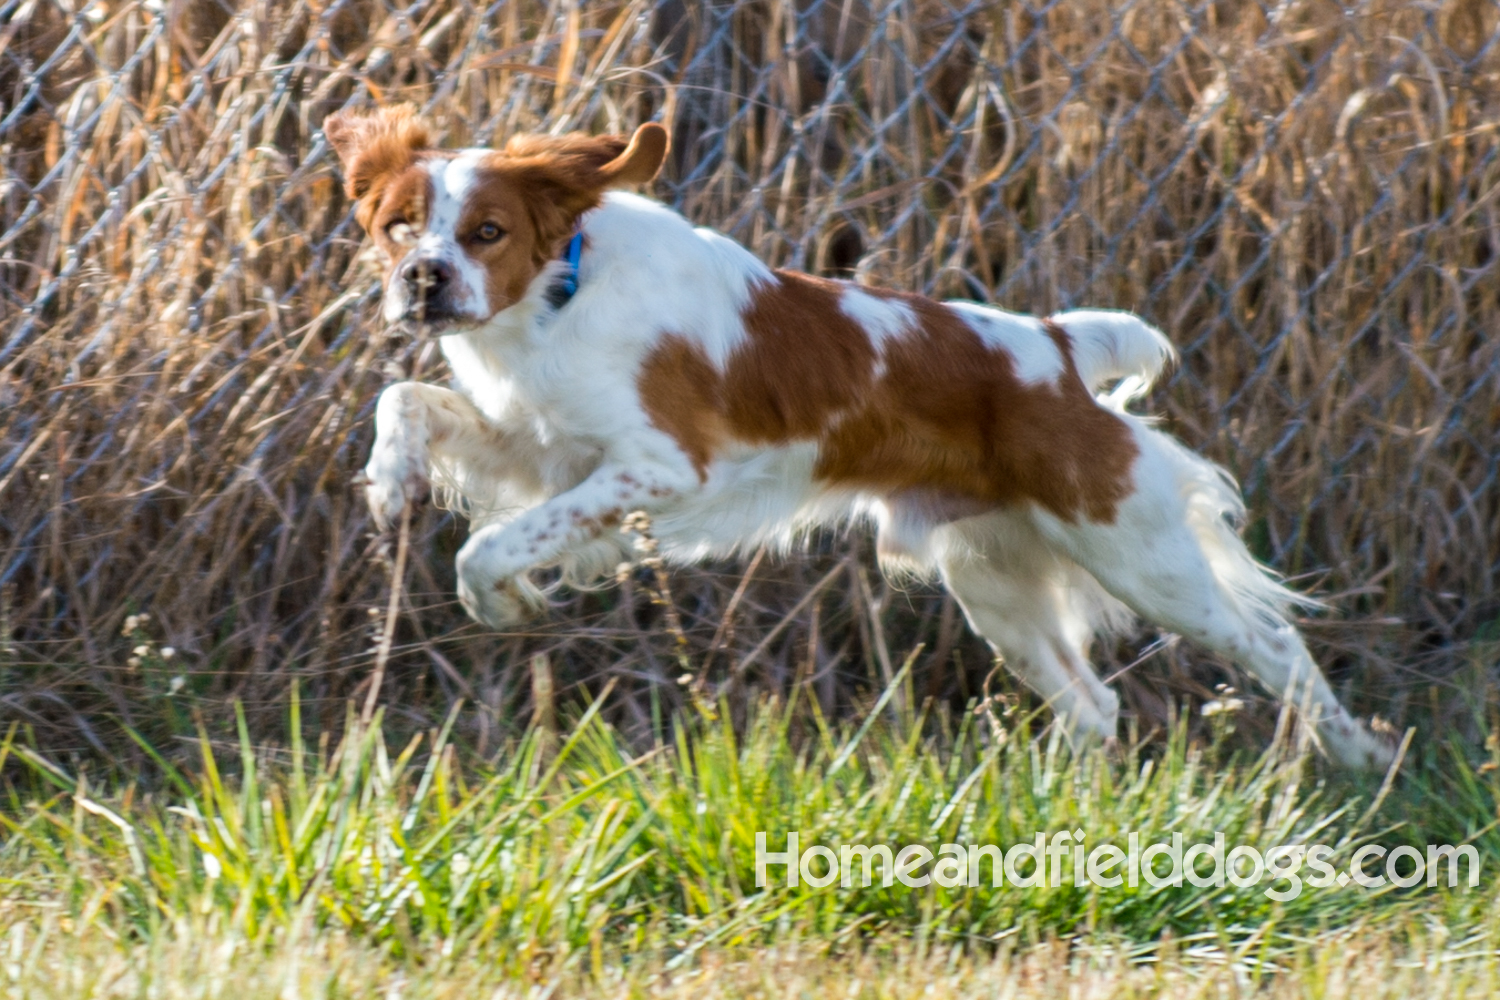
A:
(1109, 344)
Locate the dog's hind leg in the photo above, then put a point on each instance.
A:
(1040, 613)
(1171, 556)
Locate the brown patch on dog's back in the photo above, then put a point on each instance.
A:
(946, 415)
(951, 413)
(803, 362)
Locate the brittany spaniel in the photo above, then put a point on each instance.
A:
(609, 357)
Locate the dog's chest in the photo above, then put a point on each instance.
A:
(565, 398)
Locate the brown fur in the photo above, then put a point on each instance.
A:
(376, 147)
(684, 396)
(804, 362)
(947, 418)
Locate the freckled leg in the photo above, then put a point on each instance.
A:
(413, 420)
(495, 556)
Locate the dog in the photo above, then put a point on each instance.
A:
(609, 357)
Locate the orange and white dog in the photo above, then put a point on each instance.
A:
(609, 357)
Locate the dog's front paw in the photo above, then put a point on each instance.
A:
(500, 604)
(494, 597)
(393, 479)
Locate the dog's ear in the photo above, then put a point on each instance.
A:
(371, 146)
(640, 161)
(568, 173)
(593, 162)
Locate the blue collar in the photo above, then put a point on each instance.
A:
(566, 286)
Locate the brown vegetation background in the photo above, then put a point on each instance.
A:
(1302, 194)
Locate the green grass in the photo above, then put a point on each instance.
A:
(568, 855)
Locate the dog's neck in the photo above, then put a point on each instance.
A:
(566, 284)
(644, 269)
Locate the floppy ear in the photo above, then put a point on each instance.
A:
(641, 159)
(375, 145)
(569, 173)
(587, 164)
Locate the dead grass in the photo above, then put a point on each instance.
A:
(1304, 198)
(44, 961)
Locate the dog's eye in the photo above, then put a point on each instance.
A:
(488, 232)
(400, 231)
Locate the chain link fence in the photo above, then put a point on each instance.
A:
(1302, 194)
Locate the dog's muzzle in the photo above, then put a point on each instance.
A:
(428, 285)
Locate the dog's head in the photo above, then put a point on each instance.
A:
(464, 234)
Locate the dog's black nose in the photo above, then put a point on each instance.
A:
(426, 279)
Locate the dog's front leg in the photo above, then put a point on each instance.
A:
(493, 559)
(412, 420)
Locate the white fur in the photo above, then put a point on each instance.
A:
(1035, 356)
(1108, 344)
(882, 319)
(1173, 557)
(552, 445)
